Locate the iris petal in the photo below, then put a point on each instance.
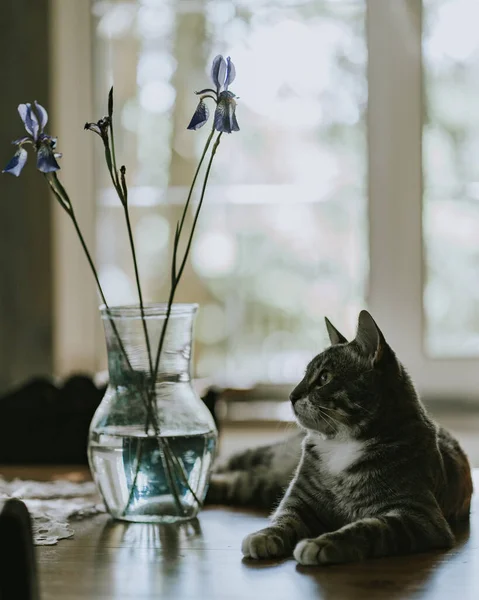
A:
(92, 127)
(225, 118)
(234, 123)
(33, 120)
(200, 117)
(44, 138)
(221, 118)
(46, 162)
(230, 72)
(17, 163)
(42, 113)
(29, 119)
(25, 117)
(26, 139)
(218, 71)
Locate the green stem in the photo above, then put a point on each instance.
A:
(171, 462)
(181, 470)
(113, 154)
(139, 455)
(163, 331)
(65, 203)
(174, 285)
(175, 280)
(200, 204)
(165, 459)
(122, 192)
(67, 206)
(185, 257)
(110, 167)
(138, 286)
(193, 183)
(149, 401)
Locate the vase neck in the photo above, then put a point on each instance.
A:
(128, 356)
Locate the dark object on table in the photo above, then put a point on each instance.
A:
(18, 576)
(210, 398)
(42, 423)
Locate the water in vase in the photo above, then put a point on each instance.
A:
(143, 493)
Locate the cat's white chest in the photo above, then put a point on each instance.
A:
(338, 455)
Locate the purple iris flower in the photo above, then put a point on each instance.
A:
(100, 128)
(223, 73)
(43, 144)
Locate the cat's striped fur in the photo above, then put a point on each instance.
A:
(257, 477)
(376, 475)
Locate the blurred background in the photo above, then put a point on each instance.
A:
(354, 182)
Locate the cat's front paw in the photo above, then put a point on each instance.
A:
(324, 550)
(266, 543)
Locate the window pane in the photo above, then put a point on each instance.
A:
(451, 177)
(282, 238)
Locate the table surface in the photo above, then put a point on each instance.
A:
(113, 560)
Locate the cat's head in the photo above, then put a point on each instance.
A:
(350, 384)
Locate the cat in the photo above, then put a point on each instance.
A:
(370, 474)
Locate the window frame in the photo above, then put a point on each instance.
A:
(78, 336)
(397, 270)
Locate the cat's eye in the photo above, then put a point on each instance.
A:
(325, 377)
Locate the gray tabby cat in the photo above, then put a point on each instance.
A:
(376, 476)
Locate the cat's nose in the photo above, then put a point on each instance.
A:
(294, 397)
(299, 392)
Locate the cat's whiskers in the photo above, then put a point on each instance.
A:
(329, 421)
(361, 407)
(328, 408)
(330, 416)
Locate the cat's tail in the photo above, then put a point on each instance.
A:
(256, 477)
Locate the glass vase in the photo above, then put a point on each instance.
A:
(152, 440)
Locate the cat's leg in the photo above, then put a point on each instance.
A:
(257, 487)
(279, 539)
(296, 517)
(256, 477)
(401, 531)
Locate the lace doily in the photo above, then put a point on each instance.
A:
(53, 505)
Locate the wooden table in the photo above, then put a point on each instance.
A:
(202, 560)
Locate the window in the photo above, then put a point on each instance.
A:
(349, 110)
(451, 169)
(283, 234)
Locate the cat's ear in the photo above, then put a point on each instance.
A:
(334, 336)
(369, 337)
